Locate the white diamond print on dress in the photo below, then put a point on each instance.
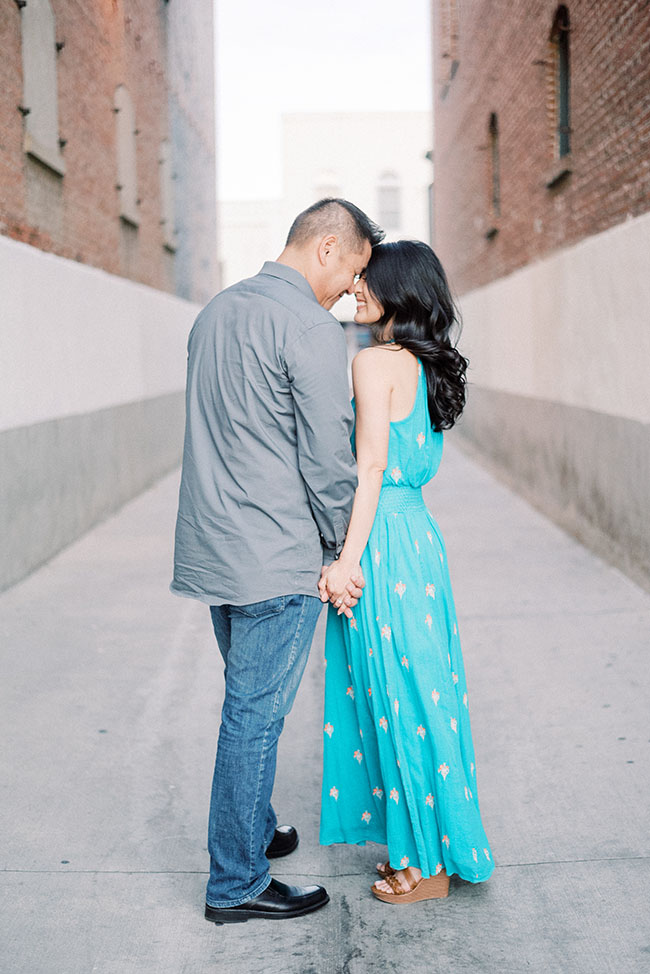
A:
(377, 556)
(366, 817)
(421, 731)
(429, 800)
(467, 793)
(454, 677)
(386, 632)
(404, 861)
(329, 730)
(350, 693)
(444, 771)
(396, 474)
(383, 723)
(420, 438)
(435, 696)
(334, 792)
(405, 662)
(378, 792)
(353, 624)
(417, 547)
(465, 699)
(431, 590)
(445, 839)
(430, 537)
(396, 706)
(394, 794)
(428, 621)
(475, 855)
(400, 588)
(358, 756)
(452, 722)
(438, 868)
(487, 853)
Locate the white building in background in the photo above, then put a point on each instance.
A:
(378, 160)
(250, 232)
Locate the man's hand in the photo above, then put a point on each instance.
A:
(341, 585)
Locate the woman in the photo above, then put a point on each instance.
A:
(398, 756)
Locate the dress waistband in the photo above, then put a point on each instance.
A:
(396, 499)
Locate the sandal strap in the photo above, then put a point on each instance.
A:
(395, 884)
(397, 887)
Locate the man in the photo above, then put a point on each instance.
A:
(266, 493)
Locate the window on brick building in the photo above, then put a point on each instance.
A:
(448, 24)
(389, 201)
(560, 66)
(167, 195)
(495, 171)
(40, 96)
(127, 184)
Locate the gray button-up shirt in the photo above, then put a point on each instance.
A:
(268, 472)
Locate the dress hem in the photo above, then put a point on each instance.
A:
(450, 870)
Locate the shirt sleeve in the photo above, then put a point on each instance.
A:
(317, 369)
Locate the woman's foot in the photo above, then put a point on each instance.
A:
(407, 882)
(385, 869)
(407, 886)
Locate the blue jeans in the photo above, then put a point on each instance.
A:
(265, 646)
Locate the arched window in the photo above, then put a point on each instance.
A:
(40, 97)
(449, 30)
(495, 171)
(389, 201)
(560, 63)
(127, 184)
(167, 195)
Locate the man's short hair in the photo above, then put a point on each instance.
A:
(340, 217)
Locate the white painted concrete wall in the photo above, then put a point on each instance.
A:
(74, 339)
(573, 328)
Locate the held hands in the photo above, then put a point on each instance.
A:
(342, 585)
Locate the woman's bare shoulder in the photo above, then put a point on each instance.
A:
(373, 358)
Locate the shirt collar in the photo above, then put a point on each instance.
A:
(290, 275)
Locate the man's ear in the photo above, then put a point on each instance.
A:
(326, 247)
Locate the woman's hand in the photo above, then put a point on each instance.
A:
(342, 585)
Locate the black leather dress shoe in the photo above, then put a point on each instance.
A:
(283, 842)
(277, 902)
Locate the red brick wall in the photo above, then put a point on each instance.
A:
(106, 43)
(503, 57)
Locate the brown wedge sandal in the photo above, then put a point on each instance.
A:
(431, 888)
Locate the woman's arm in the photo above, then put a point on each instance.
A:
(371, 378)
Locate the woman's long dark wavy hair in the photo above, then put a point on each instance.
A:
(408, 281)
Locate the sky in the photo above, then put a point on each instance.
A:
(307, 56)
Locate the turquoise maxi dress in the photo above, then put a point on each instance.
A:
(398, 756)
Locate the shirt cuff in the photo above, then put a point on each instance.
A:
(331, 551)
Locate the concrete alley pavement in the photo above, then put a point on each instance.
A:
(111, 694)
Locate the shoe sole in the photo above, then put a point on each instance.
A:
(241, 916)
(280, 855)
